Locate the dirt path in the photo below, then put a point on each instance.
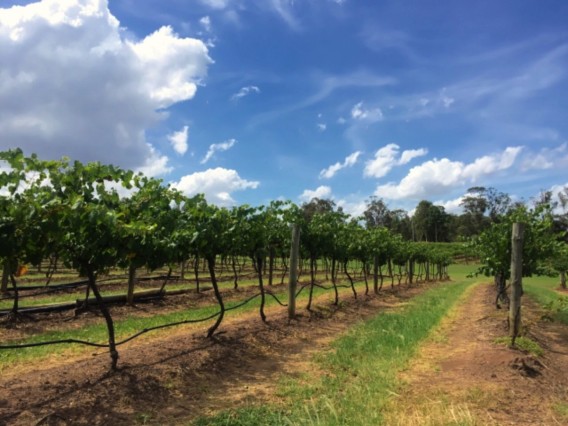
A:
(462, 377)
(171, 377)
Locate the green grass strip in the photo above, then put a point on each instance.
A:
(27, 302)
(131, 325)
(361, 371)
(543, 290)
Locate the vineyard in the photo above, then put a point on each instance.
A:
(96, 258)
(56, 214)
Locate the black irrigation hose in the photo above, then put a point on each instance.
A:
(303, 287)
(64, 287)
(53, 342)
(243, 303)
(157, 327)
(276, 298)
(128, 339)
(146, 330)
(35, 294)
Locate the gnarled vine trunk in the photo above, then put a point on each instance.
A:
(108, 318)
(211, 266)
(350, 279)
(259, 260)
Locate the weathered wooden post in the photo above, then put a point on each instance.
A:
(516, 280)
(293, 277)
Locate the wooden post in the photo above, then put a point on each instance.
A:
(516, 280)
(293, 278)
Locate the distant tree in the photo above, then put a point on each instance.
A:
(498, 204)
(400, 223)
(482, 206)
(377, 213)
(474, 205)
(318, 206)
(430, 222)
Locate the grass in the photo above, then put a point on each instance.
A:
(361, 370)
(561, 408)
(543, 290)
(523, 343)
(130, 325)
(80, 294)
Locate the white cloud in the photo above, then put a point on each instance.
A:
(71, 84)
(217, 184)
(216, 4)
(410, 154)
(350, 161)
(218, 147)
(370, 115)
(546, 158)
(179, 140)
(387, 157)
(352, 206)
(448, 101)
(320, 192)
(284, 9)
(490, 163)
(171, 69)
(206, 23)
(247, 90)
(322, 127)
(155, 164)
(451, 206)
(434, 177)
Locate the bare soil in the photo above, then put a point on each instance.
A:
(461, 376)
(30, 325)
(171, 377)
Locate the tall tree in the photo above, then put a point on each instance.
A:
(317, 205)
(376, 213)
(430, 222)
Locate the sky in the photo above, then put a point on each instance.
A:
(250, 101)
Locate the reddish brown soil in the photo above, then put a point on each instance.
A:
(66, 320)
(173, 376)
(459, 377)
(463, 376)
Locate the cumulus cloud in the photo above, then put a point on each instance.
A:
(155, 164)
(217, 184)
(320, 192)
(451, 206)
(350, 161)
(546, 158)
(322, 127)
(245, 91)
(369, 115)
(435, 177)
(72, 84)
(179, 140)
(490, 163)
(218, 147)
(388, 157)
(352, 206)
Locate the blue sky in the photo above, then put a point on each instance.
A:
(250, 101)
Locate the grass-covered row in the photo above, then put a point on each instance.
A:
(361, 370)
